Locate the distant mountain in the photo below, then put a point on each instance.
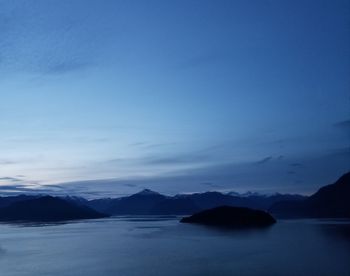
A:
(175, 206)
(46, 208)
(147, 192)
(209, 200)
(246, 194)
(76, 200)
(148, 202)
(141, 203)
(252, 200)
(233, 217)
(101, 204)
(331, 201)
(264, 202)
(8, 200)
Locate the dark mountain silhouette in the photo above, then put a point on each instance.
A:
(8, 200)
(76, 200)
(331, 201)
(264, 202)
(209, 200)
(145, 202)
(101, 204)
(233, 217)
(46, 208)
(138, 204)
(175, 206)
(148, 202)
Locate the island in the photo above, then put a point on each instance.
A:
(231, 217)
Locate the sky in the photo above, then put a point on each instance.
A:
(107, 97)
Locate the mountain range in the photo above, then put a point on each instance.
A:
(148, 202)
(331, 201)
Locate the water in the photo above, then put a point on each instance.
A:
(162, 246)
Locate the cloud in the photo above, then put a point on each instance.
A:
(297, 165)
(181, 159)
(147, 145)
(342, 124)
(59, 67)
(212, 185)
(11, 179)
(130, 185)
(138, 144)
(340, 152)
(241, 177)
(157, 161)
(196, 157)
(264, 160)
(158, 145)
(201, 156)
(7, 162)
(14, 189)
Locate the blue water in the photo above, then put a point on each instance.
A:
(162, 246)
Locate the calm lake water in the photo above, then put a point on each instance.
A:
(162, 246)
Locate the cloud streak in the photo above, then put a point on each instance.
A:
(7, 162)
(11, 179)
(264, 160)
(343, 124)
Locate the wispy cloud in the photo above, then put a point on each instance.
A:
(11, 179)
(138, 144)
(230, 176)
(212, 185)
(297, 165)
(181, 159)
(343, 124)
(264, 160)
(341, 152)
(147, 145)
(205, 155)
(15, 189)
(7, 162)
(65, 67)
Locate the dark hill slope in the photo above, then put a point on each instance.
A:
(46, 208)
(331, 201)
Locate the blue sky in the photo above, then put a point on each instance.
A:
(108, 97)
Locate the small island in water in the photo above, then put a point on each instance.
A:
(232, 217)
